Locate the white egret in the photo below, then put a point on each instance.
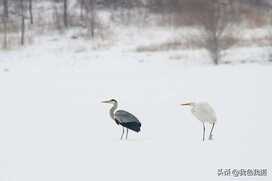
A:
(205, 113)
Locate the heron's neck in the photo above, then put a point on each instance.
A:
(113, 109)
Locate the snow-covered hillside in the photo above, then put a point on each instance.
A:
(54, 127)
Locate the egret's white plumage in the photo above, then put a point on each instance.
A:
(203, 112)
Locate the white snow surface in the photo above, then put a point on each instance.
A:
(54, 127)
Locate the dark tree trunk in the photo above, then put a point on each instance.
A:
(65, 13)
(6, 12)
(22, 22)
(30, 11)
(81, 9)
(5, 22)
(92, 8)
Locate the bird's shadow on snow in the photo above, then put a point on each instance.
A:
(133, 140)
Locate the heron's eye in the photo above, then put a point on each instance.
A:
(113, 100)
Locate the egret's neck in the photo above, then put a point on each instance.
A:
(193, 104)
(113, 109)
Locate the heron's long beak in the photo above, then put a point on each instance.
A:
(105, 102)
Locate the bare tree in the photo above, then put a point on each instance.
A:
(270, 36)
(22, 14)
(91, 16)
(82, 4)
(30, 11)
(6, 8)
(65, 13)
(215, 23)
(5, 22)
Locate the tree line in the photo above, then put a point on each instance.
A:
(213, 15)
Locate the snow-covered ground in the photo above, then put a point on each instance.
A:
(53, 126)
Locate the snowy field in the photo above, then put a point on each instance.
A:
(54, 127)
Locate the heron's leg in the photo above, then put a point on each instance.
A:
(210, 137)
(122, 133)
(127, 134)
(203, 132)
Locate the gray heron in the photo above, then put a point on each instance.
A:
(123, 118)
(205, 113)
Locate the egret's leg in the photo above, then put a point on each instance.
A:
(203, 131)
(127, 134)
(122, 133)
(210, 137)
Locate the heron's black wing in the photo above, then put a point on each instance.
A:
(128, 120)
(125, 117)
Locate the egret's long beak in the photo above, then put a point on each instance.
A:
(105, 102)
(186, 104)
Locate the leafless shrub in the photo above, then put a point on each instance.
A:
(269, 38)
(169, 45)
(165, 46)
(103, 38)
(58, 19)
(194, 42)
